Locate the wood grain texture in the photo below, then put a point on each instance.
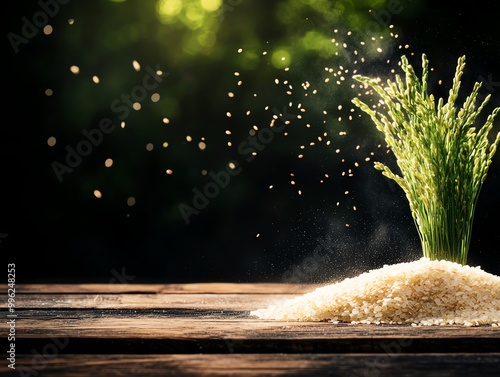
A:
(207, 330)
(224, 288)
(271, 365)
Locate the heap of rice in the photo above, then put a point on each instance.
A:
(422, 292)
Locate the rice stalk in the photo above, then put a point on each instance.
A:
(443, 159)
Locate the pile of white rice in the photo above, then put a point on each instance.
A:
(422, 292)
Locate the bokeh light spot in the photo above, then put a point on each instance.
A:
(48, 29)
(51, 141)
(168, 9)
(211, 5)
(281, 58)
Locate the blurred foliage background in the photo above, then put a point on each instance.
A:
(308, 207)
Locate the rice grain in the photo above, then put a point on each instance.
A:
(423, 292)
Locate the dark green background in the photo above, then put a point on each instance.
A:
(59, 232)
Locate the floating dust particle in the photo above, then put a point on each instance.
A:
(155, 97)
(169, 171)
(240, 50)
(166, 120)
(419, 293)
(230, 94)
(204, 172)
(236, 73)
(137, 106)
(95, 79)
(49, 92)
(189, 139)
(270, 187)
(108, 163)
(51, 141)
(232, 165)
(71, 21)
(228, 114)
(202, 145)
(131, 201)
(97, 194)
(122, 124)
(136, 65)
(149, 147)
(299, 192)
(74, 69)
(165, 144)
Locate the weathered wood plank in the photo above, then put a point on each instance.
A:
(225, 288)
(208, 331)
(234, 301)
(196, 324)
(333, 365)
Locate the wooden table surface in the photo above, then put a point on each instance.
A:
(206, 330)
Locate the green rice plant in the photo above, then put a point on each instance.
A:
(442, 157)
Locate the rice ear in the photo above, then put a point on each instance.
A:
(442, 157)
